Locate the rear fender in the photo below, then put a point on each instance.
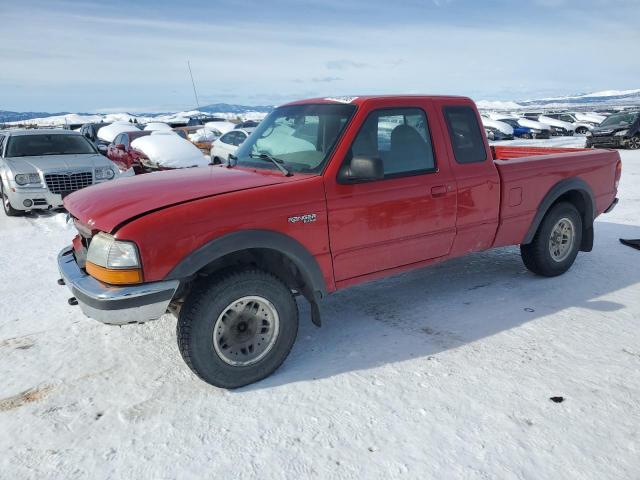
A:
(568, 187)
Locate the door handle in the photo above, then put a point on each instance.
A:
(438, 190)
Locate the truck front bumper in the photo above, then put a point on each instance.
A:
(115, 305)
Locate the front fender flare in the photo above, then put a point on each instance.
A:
(252, 239)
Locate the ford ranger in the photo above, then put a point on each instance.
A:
(325, 194)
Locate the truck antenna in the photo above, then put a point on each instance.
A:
(195, 93)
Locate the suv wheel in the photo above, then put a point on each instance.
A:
(582, 130)
(238, 328)
(634, 142)
(556, 244)
(6, 204)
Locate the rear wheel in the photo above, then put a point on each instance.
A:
(556, 243)
(582, 130)
(634, 142)
(6, 204)
(238, 328)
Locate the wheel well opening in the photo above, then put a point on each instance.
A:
(581, 201)
(269, 260)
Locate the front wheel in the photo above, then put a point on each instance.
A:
(6, 204)
(237, 328)
(634, 142)
(556, 243)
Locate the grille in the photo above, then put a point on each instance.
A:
(61, 183)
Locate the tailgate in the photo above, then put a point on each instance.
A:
(528, 175)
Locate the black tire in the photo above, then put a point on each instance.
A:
(537, 255)
(6, 205)
(216, 161)
(582, 130)
(206, 304)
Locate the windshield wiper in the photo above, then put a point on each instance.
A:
(276, 161)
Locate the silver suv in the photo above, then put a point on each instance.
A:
(38, 168)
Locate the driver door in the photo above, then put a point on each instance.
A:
(407, 217)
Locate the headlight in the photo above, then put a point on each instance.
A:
(104, 173)
(589, 134)
(27, 178)
(113, 261)
(621, 133)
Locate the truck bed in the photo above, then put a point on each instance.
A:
(528, 174)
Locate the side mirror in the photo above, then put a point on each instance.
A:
(362, 169)
(120, 146)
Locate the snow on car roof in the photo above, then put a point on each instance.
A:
(110, 132)
(170, 150)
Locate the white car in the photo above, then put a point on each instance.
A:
(38, 168)
(558, 127)
(581, 127)
(228, 144)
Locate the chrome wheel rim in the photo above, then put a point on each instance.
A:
(246, 331)
(562, 239)
(634, 143)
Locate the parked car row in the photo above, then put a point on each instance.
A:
(610, 130)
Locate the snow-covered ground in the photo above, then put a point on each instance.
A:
(442, 373)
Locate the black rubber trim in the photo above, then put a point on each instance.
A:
(612, 206)
(247, 239)
(123, 303)
(556, 192)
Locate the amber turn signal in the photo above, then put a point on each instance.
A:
(112, 276)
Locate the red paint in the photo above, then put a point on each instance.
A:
(363, 231)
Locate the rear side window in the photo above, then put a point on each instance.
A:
(465, 134)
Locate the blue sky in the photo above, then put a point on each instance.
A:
(132, 55)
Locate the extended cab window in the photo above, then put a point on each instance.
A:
(465, 134)
(400, 137)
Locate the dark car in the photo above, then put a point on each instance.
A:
(90, 131)
(248, 124)
(121, 153)
(620, 130)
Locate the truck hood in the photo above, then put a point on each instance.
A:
(56, 163)
(106, 206)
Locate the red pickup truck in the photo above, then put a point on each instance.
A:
(325, 194)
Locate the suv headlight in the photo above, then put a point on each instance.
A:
(104, 173)
(27, 178)
(589, 134)
(113, 261)
(621, 133)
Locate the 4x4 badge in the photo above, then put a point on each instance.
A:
(307, 218)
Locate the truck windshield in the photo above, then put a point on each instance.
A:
(301, 137)
(48, 144)
(620, 119)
